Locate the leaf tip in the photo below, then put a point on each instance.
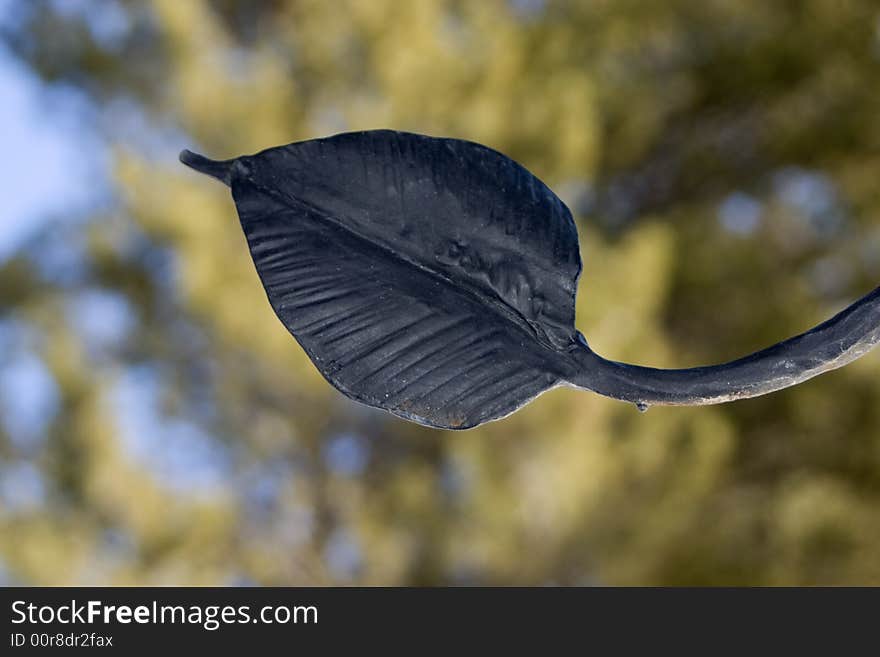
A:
(221, 170)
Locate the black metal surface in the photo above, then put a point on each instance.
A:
(436, 278)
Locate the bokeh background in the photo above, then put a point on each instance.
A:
(158, 425)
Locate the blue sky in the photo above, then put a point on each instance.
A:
(54, 171)
(53, 165)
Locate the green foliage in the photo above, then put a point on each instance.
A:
(647, 117)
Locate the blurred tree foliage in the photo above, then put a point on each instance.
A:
(722, 158)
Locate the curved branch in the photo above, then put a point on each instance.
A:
(838, 341)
